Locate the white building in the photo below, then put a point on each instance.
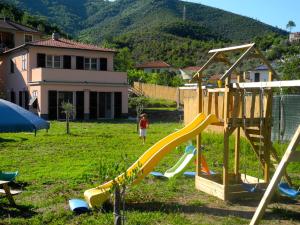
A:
(260, 73)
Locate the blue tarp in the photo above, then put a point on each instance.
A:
(14, 118)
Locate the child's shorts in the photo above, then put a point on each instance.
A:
(142, 132)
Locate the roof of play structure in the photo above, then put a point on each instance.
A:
(220, 55)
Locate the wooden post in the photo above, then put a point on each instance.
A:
(268, 130)
(198, 137)
(226, 137)
(237, 148)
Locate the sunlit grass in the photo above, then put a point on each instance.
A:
(55, 167)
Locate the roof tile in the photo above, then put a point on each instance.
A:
(154, 64)
(65, 43)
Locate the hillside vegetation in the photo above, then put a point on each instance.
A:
(144, 30)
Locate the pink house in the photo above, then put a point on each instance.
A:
(42, 74)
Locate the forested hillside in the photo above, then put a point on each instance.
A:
(25, 18)
(102, 18)
(145, 30)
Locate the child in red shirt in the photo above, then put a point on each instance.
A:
(143, 124)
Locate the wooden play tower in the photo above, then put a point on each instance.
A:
(247, 111)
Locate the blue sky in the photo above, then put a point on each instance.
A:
(273, 12)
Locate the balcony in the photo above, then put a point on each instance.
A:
(77, 76)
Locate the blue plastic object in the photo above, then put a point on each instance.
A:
(190, 149)
(158, 175)
(286, 190)
(14, 118)
(8, 176)
(78, 205)
(193, 174)
(189, 174)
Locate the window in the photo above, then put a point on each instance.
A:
(53, 61)
(103, 64)
(24, 62)
(93, 64)
(41, 60)
(67, 62)
(49, 61)
(56, 61)
(87, 63)
(256, 77)
(12, 66)
(28, 38)
(90, 63)
(79, 63)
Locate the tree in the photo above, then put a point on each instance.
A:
(124, 60)
(291, 71)
(68, 110)
(107, 171)
(290, 25)
(138, 103)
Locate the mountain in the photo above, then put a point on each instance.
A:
(102, 18)
(150, 29)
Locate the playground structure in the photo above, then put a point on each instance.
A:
(238, 113)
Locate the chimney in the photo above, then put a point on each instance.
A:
(55, 36)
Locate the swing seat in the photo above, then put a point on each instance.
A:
(286, 190)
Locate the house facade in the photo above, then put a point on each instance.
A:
(294, 37)
(260, 73)
(42, 74)
(13, 34)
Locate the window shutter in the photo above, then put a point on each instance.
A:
(79, 63)
(103, 64)
(67, 62)
(41, 60)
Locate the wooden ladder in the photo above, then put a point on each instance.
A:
(257, 139)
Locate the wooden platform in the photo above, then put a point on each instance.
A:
(235, 190)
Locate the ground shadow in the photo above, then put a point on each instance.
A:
(19, 211)
(220, 212)
(3, 140)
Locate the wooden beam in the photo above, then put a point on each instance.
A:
(233, 48)
(268, 84)
(276, 178)
(198, 137)
(199, 72)
(233, 67)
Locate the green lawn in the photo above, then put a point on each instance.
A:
(55, 167)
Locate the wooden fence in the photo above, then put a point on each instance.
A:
(162, 92)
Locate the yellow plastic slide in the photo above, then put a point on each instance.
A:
(145, 164)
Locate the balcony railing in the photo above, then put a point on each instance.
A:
(77, 76)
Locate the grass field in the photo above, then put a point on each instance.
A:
(55, 167)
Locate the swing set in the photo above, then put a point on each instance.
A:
(246, 110)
